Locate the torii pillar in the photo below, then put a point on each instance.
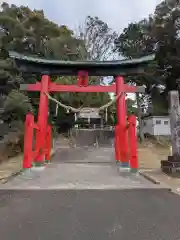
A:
(122, 123)
(42, 120)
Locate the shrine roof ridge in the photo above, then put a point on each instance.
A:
(145, 59)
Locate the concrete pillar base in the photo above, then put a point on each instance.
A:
(47, 161)
(123, 167)
(38, 164)
(37, 168)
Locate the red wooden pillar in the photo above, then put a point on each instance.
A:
(42, 120)
(48, 143)
(28, 141)
(121, 122)
(133, 143)
(117, 143)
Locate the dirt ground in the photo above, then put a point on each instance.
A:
(151, 153)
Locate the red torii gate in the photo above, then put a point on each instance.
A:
(124, 155)
(46, 86)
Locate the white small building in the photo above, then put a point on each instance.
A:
(157, 125)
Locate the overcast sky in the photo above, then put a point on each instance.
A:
(117, 13)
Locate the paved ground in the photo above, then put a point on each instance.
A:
(83, 195)
(89, 214)
(80, 168)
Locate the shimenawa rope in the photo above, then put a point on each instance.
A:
(77, 110)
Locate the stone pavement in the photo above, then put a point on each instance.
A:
(148, 154)
(80, 168)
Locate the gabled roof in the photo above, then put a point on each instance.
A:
(94, 68)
